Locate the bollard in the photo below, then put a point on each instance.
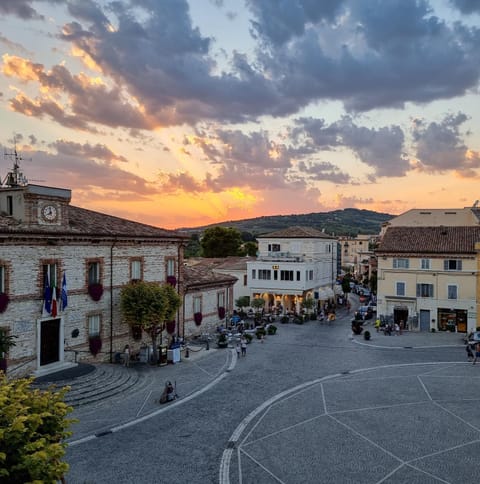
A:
(208, 345)
(187, 352)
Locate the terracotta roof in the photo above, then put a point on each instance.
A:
(199, 275)
(430, 240)
(87, 222)
(234, 263)
(297, 233)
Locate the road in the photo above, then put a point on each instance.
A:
(251, 427)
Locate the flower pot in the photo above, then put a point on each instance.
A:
(3, 302)
(95, 345)
(172, 280)
(95, 291)
(197, 317)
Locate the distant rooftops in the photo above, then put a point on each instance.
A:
(298, 233)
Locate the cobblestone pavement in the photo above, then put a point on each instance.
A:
(311, 404)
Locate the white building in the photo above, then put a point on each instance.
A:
(293, 264)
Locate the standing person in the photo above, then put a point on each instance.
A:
(237, 347)
(126, 353)
(469, 351)
(243, 345)
(477, 353)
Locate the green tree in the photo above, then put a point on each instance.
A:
(242, 302)
(33, 425)
(257, 304)
(149, 305)
(193, 248)
(250, 248)
(346, 283)
(221, 242)
(308, 303)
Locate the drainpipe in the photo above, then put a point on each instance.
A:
(111, 300)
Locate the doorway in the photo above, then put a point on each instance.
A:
(424, 320)
(400, 314)
(49, 341)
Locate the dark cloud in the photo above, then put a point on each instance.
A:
(440, 146)
(380, 148)
(466, 6)
(323, 171)
(280, 21)
(86, 150)
(88, 101)
(23, 8)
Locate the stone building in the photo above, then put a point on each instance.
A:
(45, 242)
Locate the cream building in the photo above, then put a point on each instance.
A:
(428, 276)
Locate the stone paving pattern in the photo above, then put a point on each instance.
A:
(311, 404)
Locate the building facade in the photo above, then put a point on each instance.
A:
(427, 276)
(292, 265)
(61, 272)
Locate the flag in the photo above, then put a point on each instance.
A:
(64, 293)
(47, 295)
(54, 301)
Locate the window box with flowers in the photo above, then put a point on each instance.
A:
(3, 302)
(172, 280)
(95, 344)
(197, 317)
(95, 290)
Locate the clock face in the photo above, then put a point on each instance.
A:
(49, 213)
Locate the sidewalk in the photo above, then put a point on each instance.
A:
(191, 376)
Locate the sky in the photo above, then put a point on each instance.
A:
(182, 113)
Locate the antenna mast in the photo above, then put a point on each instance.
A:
(15, 177)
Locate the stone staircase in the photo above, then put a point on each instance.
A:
(102, 382)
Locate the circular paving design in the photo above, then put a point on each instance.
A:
(413, 423)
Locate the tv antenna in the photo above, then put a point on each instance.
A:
(14, 178)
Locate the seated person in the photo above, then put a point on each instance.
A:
(168, 393)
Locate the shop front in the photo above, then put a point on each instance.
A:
(452, 320)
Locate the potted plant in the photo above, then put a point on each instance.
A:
(260, 333)
(248, 337)
(3, 302)
(284, 320)
(95, 290)
(172, 280)
(6, 342)
(95, 344)
(197, 317)
(271, 329)
(222, 341)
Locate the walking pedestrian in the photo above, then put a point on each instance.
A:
(469, 351)
(243, 346)
(477, 353)
(237, 347)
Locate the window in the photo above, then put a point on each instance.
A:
(273, 247)
(264, 274)
(452, 292)
(50, 271)
(245, 279)
(401, 263)
(275, 275)
(254, 274)
(310, 275)
(424, 290)
(425, 264)
(400, 289)
(221, 300)
(298, 275)
(9, 205)
(93, 273)
(170, 267)
(94, 325)
(136, 270)
(286, 275)
(197, 304)
(452, 265)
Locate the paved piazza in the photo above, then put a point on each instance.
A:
(311, 404)
(407, 423)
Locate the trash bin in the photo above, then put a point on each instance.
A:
(173, 354)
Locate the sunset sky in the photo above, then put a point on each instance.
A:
(182, 113)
